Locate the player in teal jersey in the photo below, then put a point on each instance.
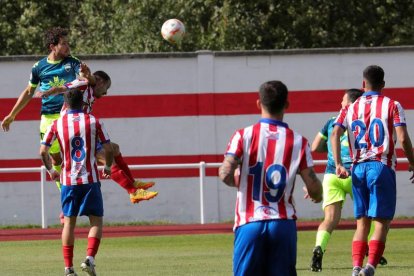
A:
(56, 69)
(335, 189)
(47, 73)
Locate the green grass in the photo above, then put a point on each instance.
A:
(192, 255)
(85, 224)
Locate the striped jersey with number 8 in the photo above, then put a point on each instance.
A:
(78, 134)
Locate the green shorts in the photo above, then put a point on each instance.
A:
(45, 122)
(335, 189)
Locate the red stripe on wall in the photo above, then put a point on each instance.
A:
(204, 104)
(147, 173)
(150, 173)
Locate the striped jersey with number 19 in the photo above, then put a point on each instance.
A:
(77, 133)
(271, 155)
(370, 121)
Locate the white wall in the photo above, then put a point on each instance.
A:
(189, 73)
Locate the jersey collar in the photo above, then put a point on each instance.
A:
(273, 122)
(53, 61)
(371, 93)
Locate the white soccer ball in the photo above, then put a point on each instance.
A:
(173, 30)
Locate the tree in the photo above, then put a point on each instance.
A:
(23, 23)
(127, 26)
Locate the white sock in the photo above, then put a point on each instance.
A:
(91, 259)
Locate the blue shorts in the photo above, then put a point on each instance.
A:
(82, 200)
(265, 248)
(374, 189)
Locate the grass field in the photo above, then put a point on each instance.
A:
(192, 255)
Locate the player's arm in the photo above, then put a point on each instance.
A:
(319, 144)
(21, 102)
(44, 156)
(312, 183)
(405, 141)
(109, 158)
(53, 91)
(85, 73)
(47, 162)
(103, 137)
(77, 83)
(336, 151)
(227, 170)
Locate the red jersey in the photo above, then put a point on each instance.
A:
(371, 122)
(271, 155)
(88, 97)
(78, 134)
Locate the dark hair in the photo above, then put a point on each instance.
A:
(74, 98)
(374, 75)
(273, 96)
(103, 76)
(53, 35)
(354, 94)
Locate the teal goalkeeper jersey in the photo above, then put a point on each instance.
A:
(46, 74)
(326, 132)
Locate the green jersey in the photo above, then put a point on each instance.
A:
(326, 133)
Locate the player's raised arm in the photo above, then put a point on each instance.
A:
(227, 169)
(21, 102)
(53, 91)
(85, 73)
(312, 183)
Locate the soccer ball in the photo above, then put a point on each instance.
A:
(173, 30)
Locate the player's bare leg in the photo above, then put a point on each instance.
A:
(57, 166)
(325, 229)
(121, 174)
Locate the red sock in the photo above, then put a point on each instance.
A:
(68, 255)
(119, 160)
(123, 180)
(93, 245)
(376, 249)
(359, 249)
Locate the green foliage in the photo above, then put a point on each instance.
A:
(130, 26)
(22, 24)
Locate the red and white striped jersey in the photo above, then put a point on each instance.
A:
(271, 154)
(78, 134)
(371, 122)
(88, 97)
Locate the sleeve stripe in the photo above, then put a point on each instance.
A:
(323, 136)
